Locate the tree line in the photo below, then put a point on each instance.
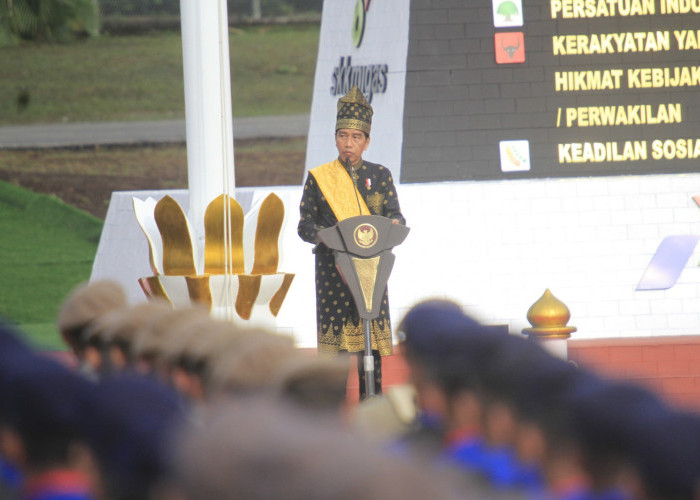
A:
(65, 20)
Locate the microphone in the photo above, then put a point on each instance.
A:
(354, 176)
(350, 167)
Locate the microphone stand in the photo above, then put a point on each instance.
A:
(366, 323)
(354, 176)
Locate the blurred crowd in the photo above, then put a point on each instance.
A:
(164, 403)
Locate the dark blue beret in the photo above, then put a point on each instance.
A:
(627, 420)
(667, 453)
(41, 398)
(612, 414)
(515, 358)
(468, 356)
(543, 388)
(10, 340)
(630, 422)
(431, 330)
(129, 427)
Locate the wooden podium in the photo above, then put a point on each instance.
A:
(362, 249)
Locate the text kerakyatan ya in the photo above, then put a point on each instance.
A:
(617, 43)
(603, 152)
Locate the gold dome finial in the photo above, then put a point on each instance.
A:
(548, 317)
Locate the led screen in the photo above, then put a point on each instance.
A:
(513, 88)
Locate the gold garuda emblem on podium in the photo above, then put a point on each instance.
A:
(218, 274)
(365, 235)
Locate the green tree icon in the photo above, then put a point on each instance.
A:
(507, 10)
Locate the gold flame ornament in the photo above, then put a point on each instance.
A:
(223, 284)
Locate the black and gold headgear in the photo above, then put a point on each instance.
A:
(354, 111)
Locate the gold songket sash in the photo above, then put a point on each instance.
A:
(337, 186)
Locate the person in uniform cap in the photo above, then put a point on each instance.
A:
(97, 358)
(313, 382)
(418, 336)
(250, 367)
(130, 424)
(194, 346)
(447, 351)
(13, 350)
(543, 428)
(40, 426)
(634, 444)
(501, 466)
(120, 332)
(86, 303)
(466, 350)
(151, 339)
(185, 366)
(347, 187)
(526, 419)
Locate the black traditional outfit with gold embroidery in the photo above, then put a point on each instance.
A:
(334, 192)
(339, 327)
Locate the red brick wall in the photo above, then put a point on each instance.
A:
(667, 365)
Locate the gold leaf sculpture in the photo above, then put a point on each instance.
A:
(178, 254)
(267, 232)
(223, 282)
(223, 236)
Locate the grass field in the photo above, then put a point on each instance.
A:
(140, 77)
(47, 249)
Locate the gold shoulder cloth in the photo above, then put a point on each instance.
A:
(339, 190)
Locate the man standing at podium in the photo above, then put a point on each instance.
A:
(346, 187)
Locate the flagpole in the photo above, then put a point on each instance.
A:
(209, 124)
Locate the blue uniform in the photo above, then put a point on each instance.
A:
(505, 471)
